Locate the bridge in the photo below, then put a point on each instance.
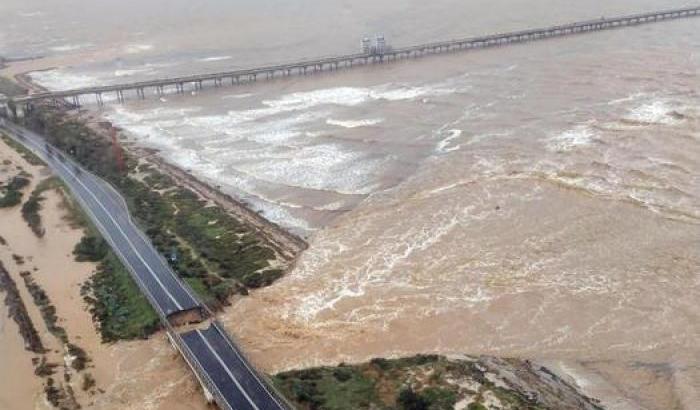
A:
(196, 82)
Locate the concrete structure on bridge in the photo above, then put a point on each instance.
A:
(371, 54)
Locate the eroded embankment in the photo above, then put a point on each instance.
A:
(433, 382)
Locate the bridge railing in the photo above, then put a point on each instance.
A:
(266, 381)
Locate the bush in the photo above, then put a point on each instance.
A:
(18, 183)
(30, 213)
(10, 199)
(13, 194)
(410, 400)
(91, 249)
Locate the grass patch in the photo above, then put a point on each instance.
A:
(117, 304)
(23, 151)
(329, 388)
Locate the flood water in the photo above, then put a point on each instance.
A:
(540, 200)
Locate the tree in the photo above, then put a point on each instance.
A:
(410, 400)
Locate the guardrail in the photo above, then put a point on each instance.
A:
(268, 384)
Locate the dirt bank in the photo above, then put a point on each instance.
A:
(141, 374)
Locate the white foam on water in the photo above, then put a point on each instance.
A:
(70, 47)
(132, 71)
(282, 216)
(655, 112)
(350, 96)
(629, 98)
(569, 140)
(137, 48)
(215, 58)
(274, 143)
(28, 14)
(237, 96)
(444, 145)
(327, 167)
(354, 123)
(59, 79)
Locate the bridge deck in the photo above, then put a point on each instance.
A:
(350, 59)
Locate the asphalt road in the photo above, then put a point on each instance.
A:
(111, 217)
(228, 369)
(236, 384)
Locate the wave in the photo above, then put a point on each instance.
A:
(354, 123)
(569, 140)
(70, 47)
(214, 58)
(444, 145)
(28, 14)
(60, 79)
(237, 96)
(137, 48)
(655, 112)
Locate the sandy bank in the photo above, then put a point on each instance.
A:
(142, 374)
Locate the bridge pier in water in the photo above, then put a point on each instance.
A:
(348, 61)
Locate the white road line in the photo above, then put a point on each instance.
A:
(199, 332)
(251, 371)
(107, 185)
(126, 238)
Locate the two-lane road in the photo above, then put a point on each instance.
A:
(112, 219)
(232, 380)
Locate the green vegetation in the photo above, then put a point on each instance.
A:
(427, 382)
(90, 249)
(117, 304)
(48, 310)
(30, 213)
(28, 155)
(214, 252)
(12, 195)
(379, 384)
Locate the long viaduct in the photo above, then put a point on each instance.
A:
(196, 82)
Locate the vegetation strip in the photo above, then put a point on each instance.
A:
(115, 302)
(18, 312)
(25, 153)
(431, 382)
(217, 254)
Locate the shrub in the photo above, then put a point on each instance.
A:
(91, 249)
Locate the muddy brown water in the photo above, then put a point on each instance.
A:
(540, 200)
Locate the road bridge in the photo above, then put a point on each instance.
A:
(196, 82)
